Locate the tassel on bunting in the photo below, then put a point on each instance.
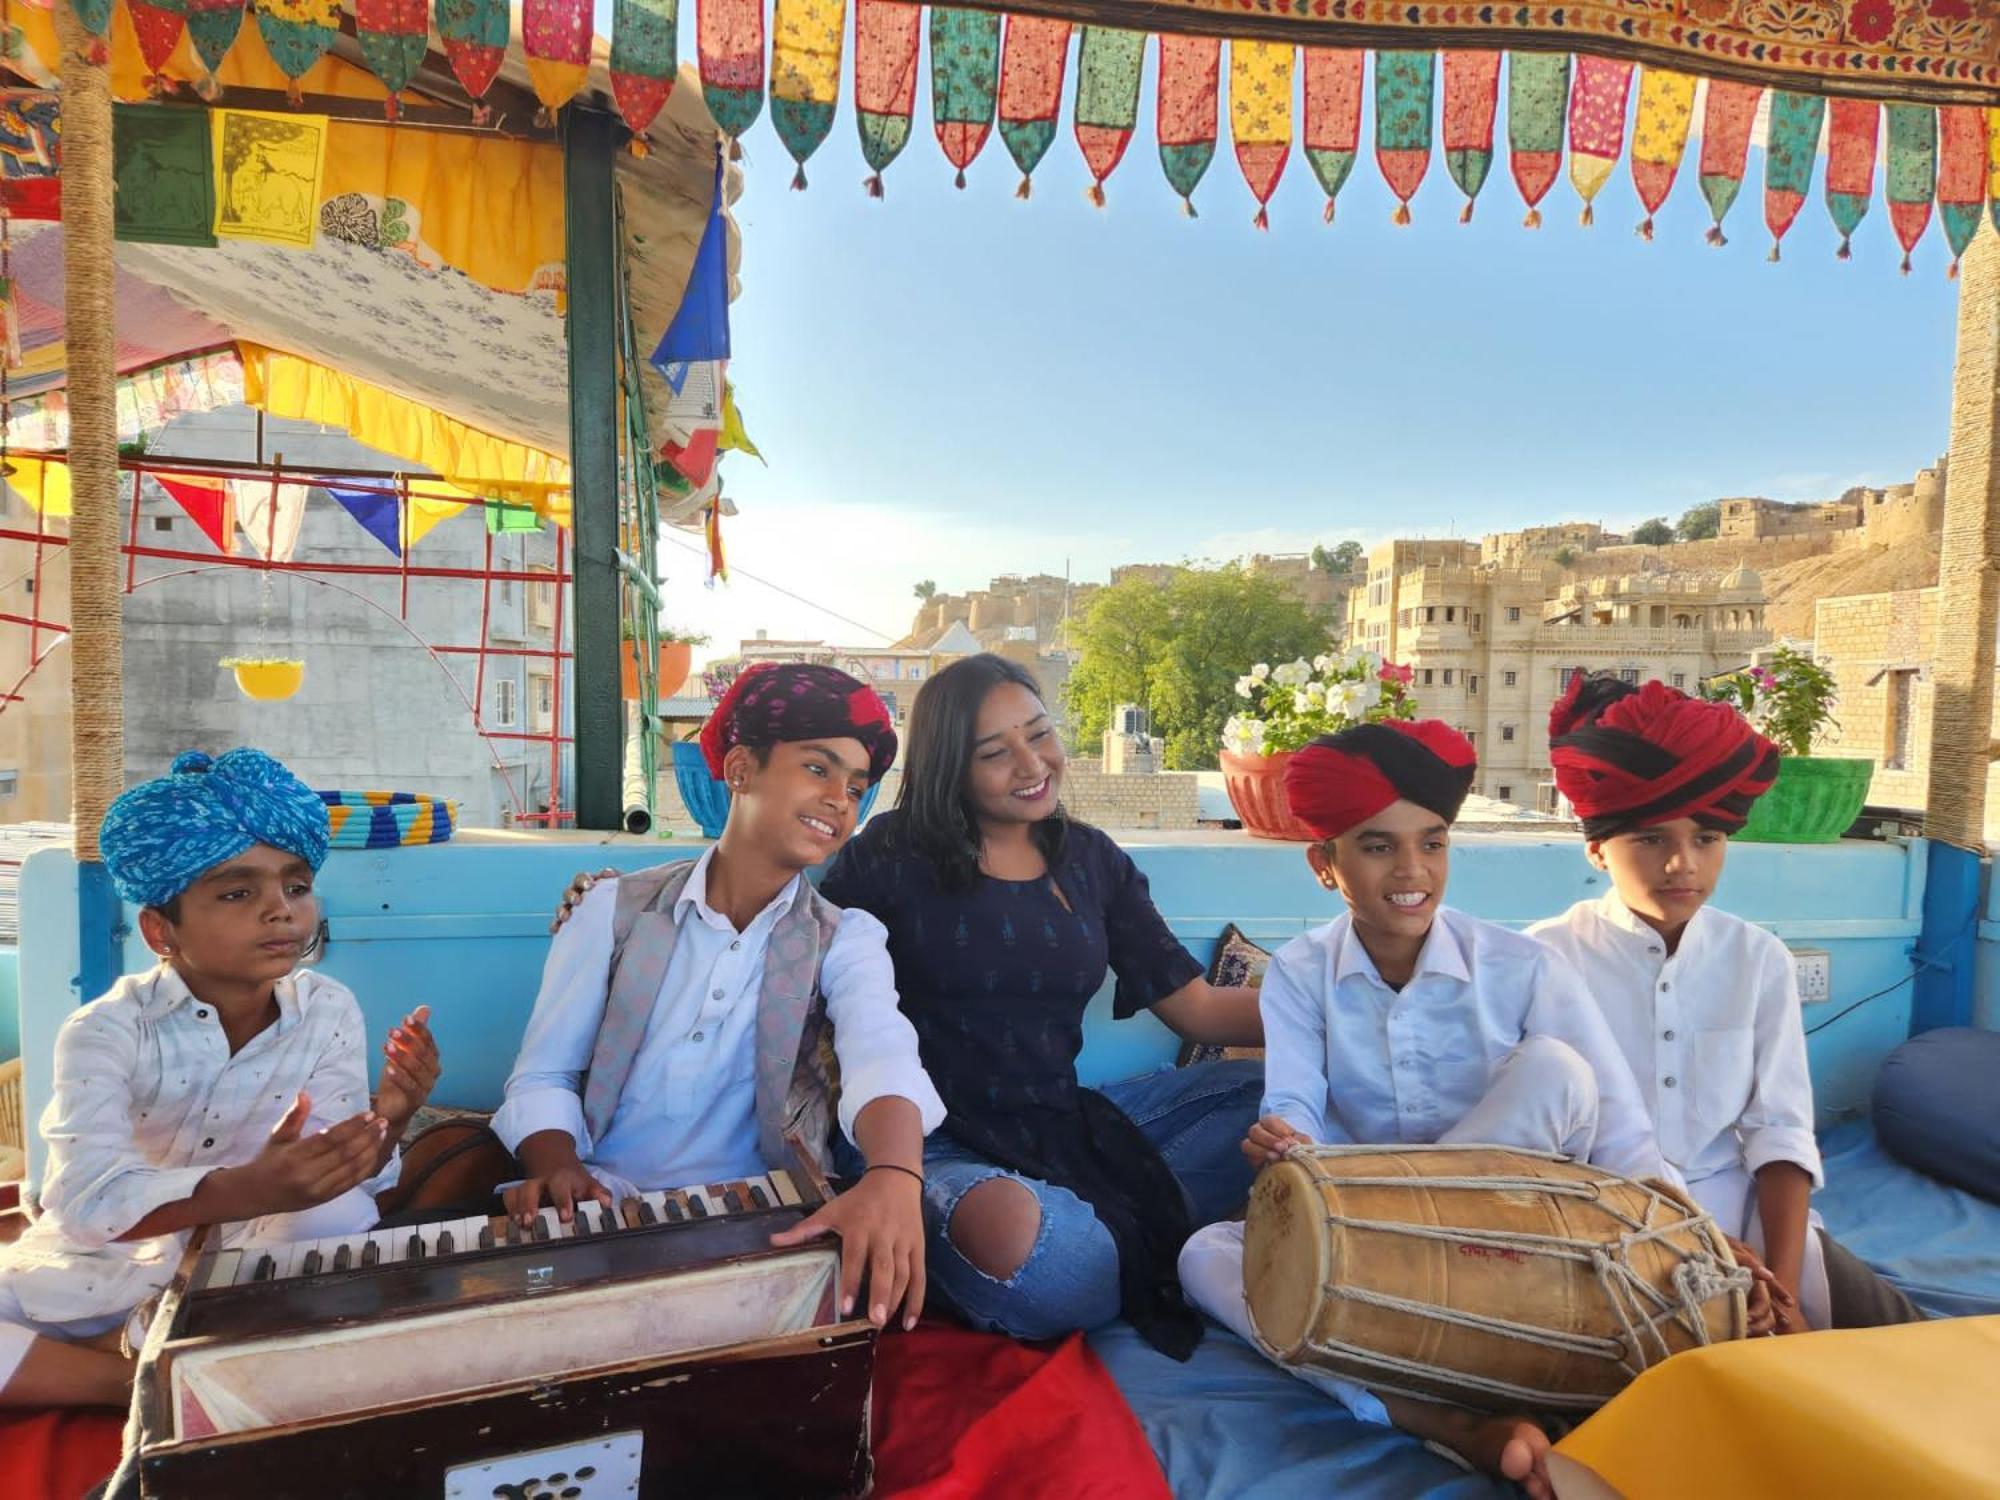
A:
(1027, 188)
(799, 179)
(873, 185)
(545, 118)
(1645, 229)
(640, 147)
(1587, 218)
(1096, 195)
(1906, 263)
(389, 106)
(959, 181)
(1951, 271)
(1464, 214)
(1326, 214)
(294, 95)
(209, 89)
(1715, 236)
(1533, 220)
(1187, 212)
(1400, 218)
(1773, 257)
(1845, 252)
(482, 114)
(1262, 221)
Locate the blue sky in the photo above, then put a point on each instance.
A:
(955, 384)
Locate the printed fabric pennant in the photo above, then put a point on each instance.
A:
(1993, 166)
(379, 513)
(1961, 183)
(96, 18)
(269, 515)
(1403, 88)
(729, 43)
(1910, 181)
(1596, 126)
(268, 172)
(718, 562)
(735, 436)
(297, 34)
(1537, 105)
(555, 37)
(805, 74)
(965, 78)
(1186, 115)
(887, 38)
(163, 163)
(474, 33)
(1033, 58)
(394, 35)
(1108, 64)
(700, 329)
(212, 26)
(159, 26)
(1725, 147)
(1659, 137)
(1334, 86)
(504, 516)
(1471, 98)
(1260, 116)
(1791, 146)
(1854, 128)
(645, 59)
(206, 502)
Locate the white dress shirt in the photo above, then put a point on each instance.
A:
(688, 1112)
(1348, 1060)
(148, 1101)
(1713, 1034)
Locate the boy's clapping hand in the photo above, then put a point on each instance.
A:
(1268, 1141)
(410, 1069)
(295, 1170)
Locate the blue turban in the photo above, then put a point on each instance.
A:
(165, 834)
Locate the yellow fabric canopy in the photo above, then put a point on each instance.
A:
(42, 482)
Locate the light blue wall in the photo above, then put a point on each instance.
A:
(10, 1004)
(463, 927)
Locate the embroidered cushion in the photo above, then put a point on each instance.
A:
(1237, 961)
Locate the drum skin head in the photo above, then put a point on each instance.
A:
(1286, 1258)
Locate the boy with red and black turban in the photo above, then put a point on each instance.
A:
(1404, 1022)
(696, 1017)
(1704, 1005)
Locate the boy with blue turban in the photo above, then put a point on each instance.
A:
(227, 1086)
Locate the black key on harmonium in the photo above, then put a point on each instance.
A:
(414, 1250)
(343, 1257)
(445, 1243)
(371, 1253)
(646, 1214)
(266, 1269)
(309, 1266)
(675, 1213)
(759, 1197)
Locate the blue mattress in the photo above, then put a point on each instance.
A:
(1229, 1425)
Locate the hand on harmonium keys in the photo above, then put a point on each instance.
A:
(564, 1188)
(880, 1221)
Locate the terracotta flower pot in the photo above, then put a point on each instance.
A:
(668, 675)
(1256, 787)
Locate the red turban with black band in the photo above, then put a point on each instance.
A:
(1628, 757)
(776, 702)
(1341, 779)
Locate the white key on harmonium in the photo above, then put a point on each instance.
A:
(219, 1270)
(781, 1184)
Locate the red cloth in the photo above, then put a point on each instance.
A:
(958, 1416)
(57, 1455)
(967, 1416)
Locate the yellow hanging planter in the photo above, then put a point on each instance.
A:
(267, 681)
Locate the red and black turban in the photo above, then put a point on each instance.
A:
(1629, 757)
(1340, 779)
(776, 702)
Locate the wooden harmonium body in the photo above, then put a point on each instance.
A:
(664, 1348)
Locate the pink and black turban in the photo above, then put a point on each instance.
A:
(1628, 757)
(776, 702)
(1339, 780)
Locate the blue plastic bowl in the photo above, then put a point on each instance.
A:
(707, 799)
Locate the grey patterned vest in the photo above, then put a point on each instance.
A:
(798, 1077)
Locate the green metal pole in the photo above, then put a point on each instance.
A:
(588, 144)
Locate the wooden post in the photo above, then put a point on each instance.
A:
(96, 643)
(1962, 666)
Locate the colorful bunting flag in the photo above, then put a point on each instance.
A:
(1961, 187)
(212, 26)
(297, 34)
(1032, 60)
(163, 164)
(700, 328)
(159, 26)
(206, 502)
(1403, 89)
(555, 36)
(886, 42)
(43, 483)
(1791, 146)
(270, 515)
(1108, 64)
(1185, 116)
(96, 18)
(645, 58)
(1260, 116)
(268, 171)
(965, 77)
(1993, 166)
(1659, 137)
(394, 35)
(1725, 147)
(474, 33)
(378, 512)
(805, 74)
(1333, 116)
(1471, 97)
(729, 42)
(1910, 181)
(718, 564)
(1854, 127)
(504, 516)
(1537, 104)
(1596, 126)
(735, 437)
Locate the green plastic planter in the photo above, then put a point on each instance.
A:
(1814, 801)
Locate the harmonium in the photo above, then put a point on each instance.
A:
(660, 1348)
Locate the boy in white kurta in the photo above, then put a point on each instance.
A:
(1405, 1022)
(1704, 1006)
(227, 1086)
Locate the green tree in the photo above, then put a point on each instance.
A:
(1653, 533)
(1178, 651)
(1346, 558)
(926, 589)
(1565, 556)
(1699, 522)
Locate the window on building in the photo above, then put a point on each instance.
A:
(1430, 614)
(1629, 674)
(1403, 618)
(541, 701)
(1450, 613)
(506, 591)
(1507, 732)
(1680, 679)
(10, 783)
(1472, 737)
(1478, 623)
(1472, 682)
(1513, 614)
(542, 599)
(506, 703)
(1447, 676)
(1564, 674)
(163, 523)
(1510, 679)
(28, 584)
(883, 669)
(1429, 677)
(1896, 751)
(1506, 791)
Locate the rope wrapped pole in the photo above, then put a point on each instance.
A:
(96, 650)
(1963, 662)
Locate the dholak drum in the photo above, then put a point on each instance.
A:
(1501, 1279)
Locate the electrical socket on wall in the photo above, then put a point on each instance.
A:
(1814, 967)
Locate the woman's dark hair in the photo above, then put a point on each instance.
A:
(937, 814)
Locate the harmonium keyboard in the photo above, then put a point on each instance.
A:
(663, 1347)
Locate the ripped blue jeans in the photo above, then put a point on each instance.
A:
(1195, 1117)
